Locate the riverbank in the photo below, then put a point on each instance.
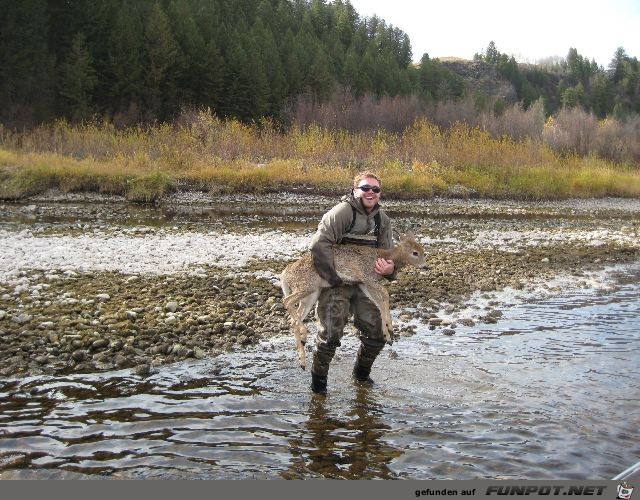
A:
(93, 286)
(149, 164)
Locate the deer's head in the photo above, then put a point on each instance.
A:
(410, 252)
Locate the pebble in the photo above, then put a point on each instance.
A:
(179, 350)
(99, 344)
(121, 360)
(143, 369)
(79, 355)
(21, 318)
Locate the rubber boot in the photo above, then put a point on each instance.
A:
(361, 374)
(319, 384)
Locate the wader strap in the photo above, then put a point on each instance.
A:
(353, 220)
(376, 231)
(365, 240)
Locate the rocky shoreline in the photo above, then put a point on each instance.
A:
(86, 318)
(81, 322)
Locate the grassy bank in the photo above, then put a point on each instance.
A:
(205, 153)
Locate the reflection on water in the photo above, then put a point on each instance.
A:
(550, 391)
(348, 446)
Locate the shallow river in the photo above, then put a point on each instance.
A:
(550, 391)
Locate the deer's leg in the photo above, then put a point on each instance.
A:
(304, 307)
(385, 312)
(380, 297)
(299, 330)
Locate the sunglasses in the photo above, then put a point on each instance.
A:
(366, 188)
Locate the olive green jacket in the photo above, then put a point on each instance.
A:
(334, 226)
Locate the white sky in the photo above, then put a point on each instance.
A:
(527, 30)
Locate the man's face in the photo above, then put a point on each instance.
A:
(368, 196)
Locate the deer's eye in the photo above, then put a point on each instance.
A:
(415, 254)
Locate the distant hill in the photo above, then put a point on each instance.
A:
(479, 76)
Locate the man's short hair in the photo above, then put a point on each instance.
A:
(365, 175)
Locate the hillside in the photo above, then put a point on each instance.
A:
(480, 77)
(148, 62)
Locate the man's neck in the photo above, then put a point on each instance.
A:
(368, 210)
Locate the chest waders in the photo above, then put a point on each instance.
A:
(368, 240)
(334, 306)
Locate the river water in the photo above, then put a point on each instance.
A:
(550, 391)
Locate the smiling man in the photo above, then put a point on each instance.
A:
(356, 220)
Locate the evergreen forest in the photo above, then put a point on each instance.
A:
(251, 60)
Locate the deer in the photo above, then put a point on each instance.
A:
(301, 284)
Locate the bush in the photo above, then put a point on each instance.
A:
(572, 131)
(342, 111)
(517, 123)
(148, 188)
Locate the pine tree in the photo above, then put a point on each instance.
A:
(616, 66)
(576, 66)
(269, 59)
(491, 54)
(256, 75)
(238, 99)
(98, 26)
(345, 22)
(573, 96)
(601, 95)
(26, 64)
(161, 53)
(190, 53)
(78, 80)
(291, 65)
(209, 92)
(305, 48)
(320, 76)
(125, 67)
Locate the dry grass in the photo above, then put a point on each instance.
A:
(203, 152)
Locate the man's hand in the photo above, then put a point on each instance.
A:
(384, 267)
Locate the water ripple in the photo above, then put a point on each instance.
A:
(548, 392)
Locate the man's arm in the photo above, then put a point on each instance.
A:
(329, 233)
